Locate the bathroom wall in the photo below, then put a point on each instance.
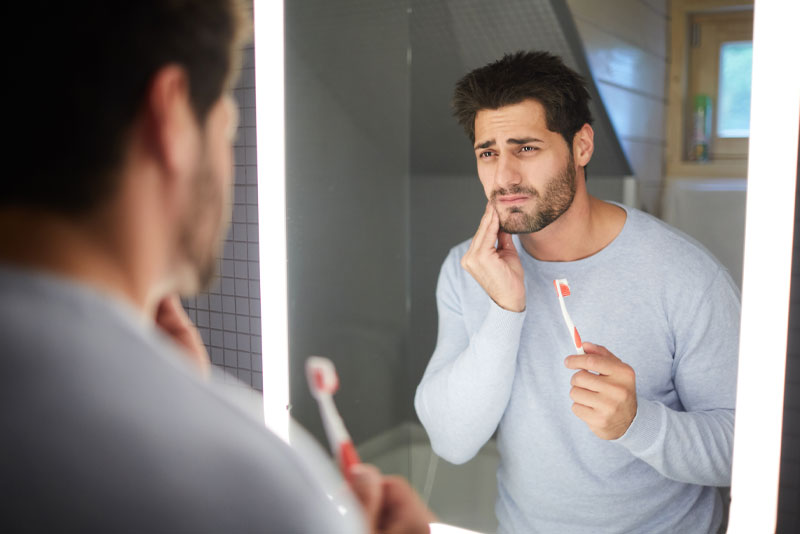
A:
(228, 314)
(626, 47)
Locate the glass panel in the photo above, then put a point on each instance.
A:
(735, 66)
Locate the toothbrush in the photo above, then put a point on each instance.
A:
(323, 383)
(562, 289)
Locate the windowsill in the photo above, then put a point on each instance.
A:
(709, 169)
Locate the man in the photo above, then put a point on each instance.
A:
(107, 426)
(630, 436)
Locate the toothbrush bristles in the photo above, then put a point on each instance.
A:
(562, 287)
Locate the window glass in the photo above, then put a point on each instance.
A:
(735, 66)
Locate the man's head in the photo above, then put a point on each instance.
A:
(529, 120)
(102, 86)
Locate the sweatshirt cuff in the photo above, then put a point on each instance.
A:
(500, 332)
(646, 430)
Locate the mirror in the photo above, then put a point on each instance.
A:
(381, 183)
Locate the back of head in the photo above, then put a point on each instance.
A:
(521, 76)
(79, 83)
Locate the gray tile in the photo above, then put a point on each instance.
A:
(229, 339)
(228, 287)
(243, 324)
(242, 287)
(240, 251)
(253, 270)
(242, 342)
(255, 307)
(240, 269)
(229, 322)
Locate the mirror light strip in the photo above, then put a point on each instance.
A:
(772, 168)
(270, 142)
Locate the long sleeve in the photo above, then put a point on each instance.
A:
(468, 381)
(695, 444)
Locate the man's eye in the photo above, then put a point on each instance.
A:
(486, 154)
(528, 149)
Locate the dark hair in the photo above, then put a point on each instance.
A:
(521, 76)
(81, 79)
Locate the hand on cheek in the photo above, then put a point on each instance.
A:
(603, 391)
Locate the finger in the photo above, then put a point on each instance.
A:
(478, 238)
(583, 412)
(590, 399)
(599, 363)
(365, 481)
(403, 511)
(587, 380)
(488, 239)
(594, 348)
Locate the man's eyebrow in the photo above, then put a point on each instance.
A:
(523, 141)
(511, 141)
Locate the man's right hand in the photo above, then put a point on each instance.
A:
(496, 267)
(391, 506)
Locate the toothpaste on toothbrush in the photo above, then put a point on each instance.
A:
(562, 289)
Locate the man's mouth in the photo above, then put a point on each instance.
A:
(511, 199)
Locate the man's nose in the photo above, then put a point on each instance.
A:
(507, 173)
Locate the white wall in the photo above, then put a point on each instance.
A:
(626, 47)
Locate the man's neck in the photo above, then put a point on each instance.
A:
(78, 249)
(587, 227)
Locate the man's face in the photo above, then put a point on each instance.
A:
(526, 170)
(207, 216)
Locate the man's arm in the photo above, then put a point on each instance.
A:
(692, 445)
(468, 381)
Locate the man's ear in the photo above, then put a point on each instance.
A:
(170, 121)
(583, 145)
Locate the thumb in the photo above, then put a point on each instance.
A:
(366, 482)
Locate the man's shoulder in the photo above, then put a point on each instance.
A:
(656, 241)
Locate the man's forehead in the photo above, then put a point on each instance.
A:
(510, 124)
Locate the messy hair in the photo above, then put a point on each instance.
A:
(521, 76)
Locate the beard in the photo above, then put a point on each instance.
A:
(202, 231)
(549, 206)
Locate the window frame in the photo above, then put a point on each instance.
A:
(731, 154)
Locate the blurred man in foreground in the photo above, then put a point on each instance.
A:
(106, 425)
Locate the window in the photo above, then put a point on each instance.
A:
(720, 59)
(709, 88)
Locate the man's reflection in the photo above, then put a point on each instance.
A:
(630, 436)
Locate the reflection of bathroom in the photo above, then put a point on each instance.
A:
(381, 183)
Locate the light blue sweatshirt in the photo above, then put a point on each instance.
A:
(662, 304)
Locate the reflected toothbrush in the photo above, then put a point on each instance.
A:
(323, 383)
(562, 289)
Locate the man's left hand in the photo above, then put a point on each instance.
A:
(603, 391)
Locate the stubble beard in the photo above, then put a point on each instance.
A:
(557, 199)
(200, 246)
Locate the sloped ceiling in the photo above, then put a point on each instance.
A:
(448, 38)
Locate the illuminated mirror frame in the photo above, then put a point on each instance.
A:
(775, 112)
(772, 174)
(268, 41)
